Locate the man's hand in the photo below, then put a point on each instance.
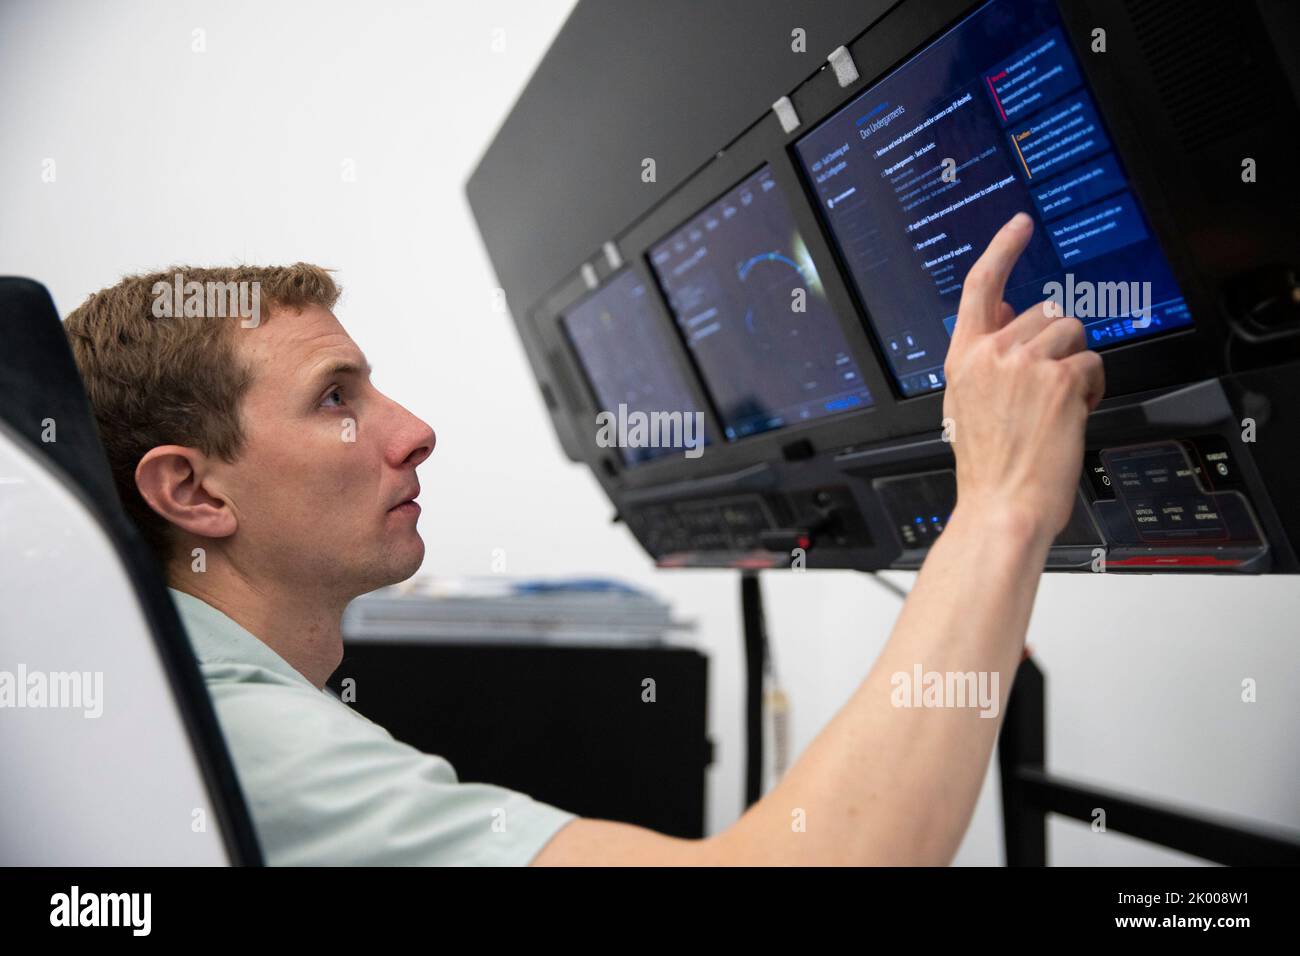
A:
(1019, 392)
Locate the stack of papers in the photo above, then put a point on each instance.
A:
(503, 610)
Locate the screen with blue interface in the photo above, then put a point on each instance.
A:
(751, 307)
(623, 346)
(915, 176)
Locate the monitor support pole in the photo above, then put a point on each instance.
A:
(1030, 793)
(755, 634)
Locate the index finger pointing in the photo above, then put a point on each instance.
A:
(981, 292)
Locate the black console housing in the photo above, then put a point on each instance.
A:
(1190, 457)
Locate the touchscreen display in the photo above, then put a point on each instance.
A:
(914, 176)
(622, 344)
(750, 305)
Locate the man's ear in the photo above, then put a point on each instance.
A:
(171, 480)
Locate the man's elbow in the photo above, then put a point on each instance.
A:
(606, 843)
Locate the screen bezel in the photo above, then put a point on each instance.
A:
(584, 371)
(811, 194)
(1144, 366)
(698, 370)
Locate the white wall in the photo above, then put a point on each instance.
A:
(167, 155)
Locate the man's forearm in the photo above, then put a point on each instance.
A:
(894, 779)
(896, 784)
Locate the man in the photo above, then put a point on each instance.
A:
(276, 483)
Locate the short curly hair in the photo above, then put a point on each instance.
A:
(173, 379)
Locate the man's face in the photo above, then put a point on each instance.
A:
(326, 459)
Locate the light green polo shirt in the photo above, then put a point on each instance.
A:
(327, 786)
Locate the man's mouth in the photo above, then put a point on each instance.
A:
(408, 504)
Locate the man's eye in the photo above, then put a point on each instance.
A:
(336, 392)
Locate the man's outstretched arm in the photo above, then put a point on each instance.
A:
(897, 785)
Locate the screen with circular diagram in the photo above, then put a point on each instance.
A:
(743, 289)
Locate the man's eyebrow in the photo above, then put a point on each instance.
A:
(339, 367)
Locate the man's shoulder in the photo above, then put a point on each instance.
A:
(326, 785)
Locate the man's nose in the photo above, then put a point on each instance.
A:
(422, 447)
(414, 442)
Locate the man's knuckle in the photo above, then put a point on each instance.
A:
(1060, 376)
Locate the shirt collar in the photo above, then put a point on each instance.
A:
(217, 638)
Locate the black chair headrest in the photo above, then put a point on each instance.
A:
(41, 393)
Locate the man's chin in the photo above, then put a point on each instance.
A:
(394, 566)
(408, 562)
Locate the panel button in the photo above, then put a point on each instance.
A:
(1097, 477)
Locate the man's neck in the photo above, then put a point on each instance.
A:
(302, 626)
